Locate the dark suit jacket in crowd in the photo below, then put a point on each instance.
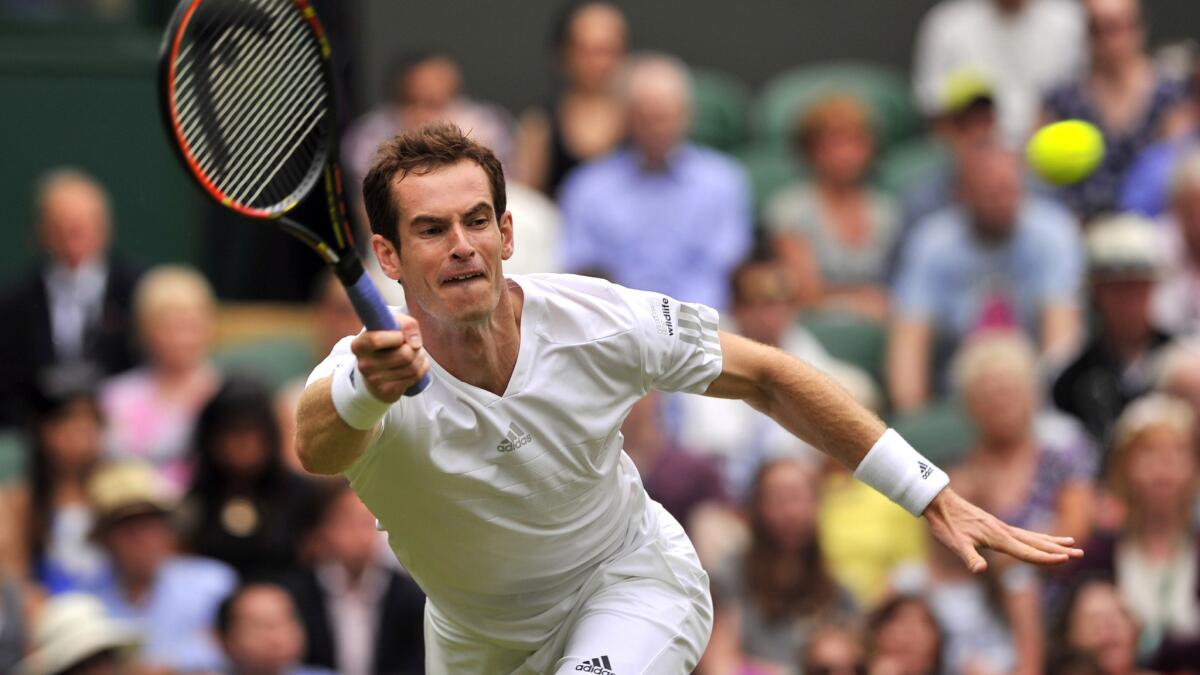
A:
(26, 341)
(399, 641)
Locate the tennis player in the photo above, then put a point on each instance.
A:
(504, 488)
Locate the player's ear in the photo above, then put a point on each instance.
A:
(388, 256)
(506, 235)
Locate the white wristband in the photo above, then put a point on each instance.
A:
(354, 402)
(901, 473)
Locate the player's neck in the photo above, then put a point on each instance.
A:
(482, 355)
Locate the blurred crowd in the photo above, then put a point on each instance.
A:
(1042, 343)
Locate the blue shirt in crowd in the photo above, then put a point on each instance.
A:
(679, 231)
(177, 619)
(1147, 186)
(959, 282)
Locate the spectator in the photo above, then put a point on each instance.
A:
(1124, 259)
(1154, 471)
(1032, 469)
(1023, 47)
(1120, 93)
(51, 514)
(171, 598)
(905, 639)
(73, 306)
(14, 608)
(1148, 181)
(1178, 372)
(245, 506)
(663, 213)
(834, 649)
(768, 600)
(360, 616)
(676, 477)
(587, 120)
(834, 233)
(998, 258)
(1098, 624)
(74, 636)
(151, 410)
(1175, 306)
(261, 634)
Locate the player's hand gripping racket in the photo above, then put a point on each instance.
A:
(248, 100)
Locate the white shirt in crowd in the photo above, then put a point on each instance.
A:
(76, 299)
(503, 507)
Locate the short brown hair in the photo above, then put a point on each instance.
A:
(831, 112)
(421, 151)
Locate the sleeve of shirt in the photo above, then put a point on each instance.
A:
(581, 249)
(679, 341)
(915, 292)
(1062, 268)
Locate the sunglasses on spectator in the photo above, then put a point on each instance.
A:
(835, 669)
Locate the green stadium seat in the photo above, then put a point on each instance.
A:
(906, 164)
(941, 431)
(883, 89)
(14, 456)
(769, 171)
(849, 337)
(274, 360)
(719, 115)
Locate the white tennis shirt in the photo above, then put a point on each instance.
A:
(501, 507)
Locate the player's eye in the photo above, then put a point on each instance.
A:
(480, 221)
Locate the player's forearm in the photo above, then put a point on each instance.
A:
(324, 442)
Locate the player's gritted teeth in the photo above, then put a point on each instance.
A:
(462, 277)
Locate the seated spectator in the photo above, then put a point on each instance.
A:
(1147, 185)
(1097, 623)
(904, 639)
(676, 477)
(768, 599)
(1154, 470)
(662, 214)
(1032, 469)
(834, 232)
(1175, 306)
(1178, 372)
(261, 634)
(586, 120)
(1124, 259)
(75, 636)
(834, 649)
(172, 599)
(150, 411)
(74, 304)
(1022, 46)
(51, 514)
(1123, 95)
(245, 506)
(360, 615)
(999, 258)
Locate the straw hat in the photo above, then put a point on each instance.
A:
(126, 489)
(74, 627)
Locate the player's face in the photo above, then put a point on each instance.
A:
(452, 243)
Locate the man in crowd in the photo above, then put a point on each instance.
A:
(259, 631)
(661, 213)
(999, 257)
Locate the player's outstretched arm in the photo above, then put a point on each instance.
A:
(816, 409)
(338, 415)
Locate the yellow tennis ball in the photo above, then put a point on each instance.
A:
(1066, 152)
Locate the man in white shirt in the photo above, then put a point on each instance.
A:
(503, 486)
(1022, 47)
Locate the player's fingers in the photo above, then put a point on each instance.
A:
(970, 557)
(1047, 543)
(373, 341)
(1008, 542)
(410, 328)
(391, 382)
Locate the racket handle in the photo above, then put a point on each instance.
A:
(375, 315)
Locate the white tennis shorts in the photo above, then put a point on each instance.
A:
(648, 611)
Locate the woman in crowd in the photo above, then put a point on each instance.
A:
(768, 599)
(1096, 623)
(49, 518)
(1155, 557)
(244, 507)
(835, 232)
(1032, 471)
(834, 649)
(151, 410)
(1123, 95)
(587, 120)
(904, 639)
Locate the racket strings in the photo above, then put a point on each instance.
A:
(251, 99)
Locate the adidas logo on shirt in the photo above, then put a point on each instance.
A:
(516, 438)
(600, 666)
(926, 470)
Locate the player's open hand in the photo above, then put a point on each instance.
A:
(965, 528)
(391, 361)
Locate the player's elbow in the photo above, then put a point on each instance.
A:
(312, 459)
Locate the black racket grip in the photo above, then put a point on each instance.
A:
(375, 314)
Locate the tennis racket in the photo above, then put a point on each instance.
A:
(248, 100)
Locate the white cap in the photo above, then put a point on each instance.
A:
(1125, 245)
(74, 627)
